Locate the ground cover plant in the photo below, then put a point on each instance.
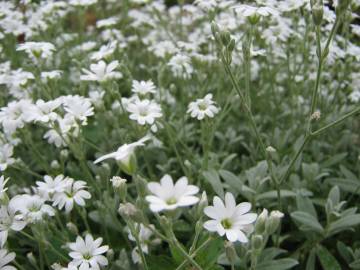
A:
(146, 134)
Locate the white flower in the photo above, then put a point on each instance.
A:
(51, 185)
(251, 11)
(74, 192)
(124, 152)
(87, 253)
(6, 159)
(5, 258)
(107, 22)
(181, 67)
(144, 111)
(32, 208)
(50, 75)
(101, 72)
(203, 107)
(3, 189)
(105, 51)
(145, 235)
(10, 219)
(167, 196)
(143, 87)
(82, 3)
(230, 219)
(79, 107)
(43, 111)
(37, 49)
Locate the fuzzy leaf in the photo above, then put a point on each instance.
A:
(281, 264)
(327, 260)
(309, 222)
(213, 178)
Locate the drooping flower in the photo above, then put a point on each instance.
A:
(229, 218)
(203, 107)
(124, 152)
(167, 196)
(102, 72)
(86, 253)
(144, 111)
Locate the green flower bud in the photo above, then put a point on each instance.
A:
(72, 228)
(260, 223)
(254, 19)
(273, 222)
(231, 45)
(257, 241)
(225, 38)
(317, 13)
(342, 6)
(31, 258)
(230, 252)
(214, 28)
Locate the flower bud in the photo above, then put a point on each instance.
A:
(257, 241)
(231, 45)
(31, 258)
(72, 228)
(142, 185)
(273, 221)
(261, 222)
(225, 38)
(202, 203)
(110, 254)
(129, 211)
(317, 12)
(342, 6)
(230, 252)
(119, 185)
(64, 154)
(166, 225)
(55, 164)
(214, 28)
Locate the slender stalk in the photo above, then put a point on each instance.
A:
(194, 253)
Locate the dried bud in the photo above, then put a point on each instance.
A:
(316, 115)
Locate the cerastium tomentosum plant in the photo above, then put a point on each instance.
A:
(152, 134)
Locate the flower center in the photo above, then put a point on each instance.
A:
(202, 106)
(171, 201)
(87, 256)
(226, 223)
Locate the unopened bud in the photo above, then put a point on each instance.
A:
(55, 164)
(270, 149)
(273, 221)
(72, 228)
(318, 13)
(260, 224)
(119, 184)
(257, 241)
(110, 254)
(64, 154)
(230, 252)
(214, 28)
(202, 203)
(231, 45)
(31, 258)
(142, 185)
(225, 38)
(129, 211)
(342, 6)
